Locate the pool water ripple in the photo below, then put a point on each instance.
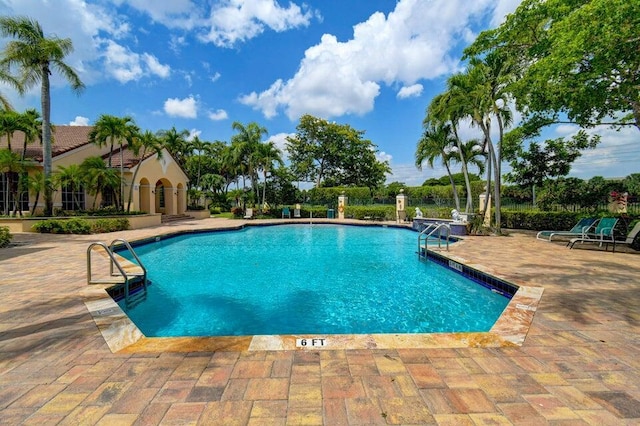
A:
(305, 279)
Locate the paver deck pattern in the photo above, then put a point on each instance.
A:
(578, 365)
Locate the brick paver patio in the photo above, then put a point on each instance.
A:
(579, 364)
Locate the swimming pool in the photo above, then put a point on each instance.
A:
(304, 279)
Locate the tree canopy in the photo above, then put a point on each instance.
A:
(573, 58)
(334, 154)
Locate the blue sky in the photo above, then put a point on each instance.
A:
(201, 65)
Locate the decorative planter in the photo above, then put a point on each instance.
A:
(457, 228)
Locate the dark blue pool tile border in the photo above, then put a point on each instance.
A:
(501, 286)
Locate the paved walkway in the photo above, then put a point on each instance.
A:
(578, 365)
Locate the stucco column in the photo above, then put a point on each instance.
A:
(487, 215)
(401, 206)
(342, 205)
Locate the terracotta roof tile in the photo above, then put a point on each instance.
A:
(65, 139)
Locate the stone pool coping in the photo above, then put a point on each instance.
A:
(122, 335)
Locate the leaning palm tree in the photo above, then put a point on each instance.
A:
(436, 142)
(37, 56)
(142, 145)
(481, 93)
(447, 107)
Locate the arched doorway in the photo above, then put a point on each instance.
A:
(144, 196)
(165, 197)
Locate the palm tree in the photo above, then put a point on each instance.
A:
(72, 179)
(10, 164)
(473, 155)
(436, 142)
(482, 94)
(142, 145)
(10, 122)
(5, 77)
(31, 125)
(200, 147)
(35, 184)
(176, 143)
(110, 129)
(36, 56)
(246, 142)
(264, 156)
(446, 108)
(99, 178)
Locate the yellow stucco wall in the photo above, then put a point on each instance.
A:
(155, 175)
(145, 197)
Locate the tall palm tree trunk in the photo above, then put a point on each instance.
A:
(45, 96)
(456, 198)
(465, 172)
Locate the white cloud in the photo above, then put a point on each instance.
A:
(412, 91)
(174, 13)
(155, 67)
(280, 141)
(218, 115)
(215, 77)
(193, 133)
(383, 156)
(121, 63)
(415, 41)
(125, 65)
(615, 156)
(233, 21)
(79, 121)
(185, 108)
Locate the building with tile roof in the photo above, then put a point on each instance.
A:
(160, 183)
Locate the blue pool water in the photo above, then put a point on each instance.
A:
(305, 279)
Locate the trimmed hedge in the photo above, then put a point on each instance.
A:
(539, 220)
(81, 226)
(543, 220)
(5, 236)
(109, 225)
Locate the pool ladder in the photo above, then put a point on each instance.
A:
(442, 229)
(130, 277)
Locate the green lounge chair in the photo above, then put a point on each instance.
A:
(603, 233)
(578, 230)
(630, 237)
(286, 212)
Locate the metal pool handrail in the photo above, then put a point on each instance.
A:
(428, 232)
(121, 277)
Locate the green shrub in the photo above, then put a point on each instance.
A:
(70, 226)
(215, 209)
(5, 236)
(546, 220)
(375, 212)
(109, 225)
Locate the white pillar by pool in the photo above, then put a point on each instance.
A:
(401, 206)
(342, 205)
